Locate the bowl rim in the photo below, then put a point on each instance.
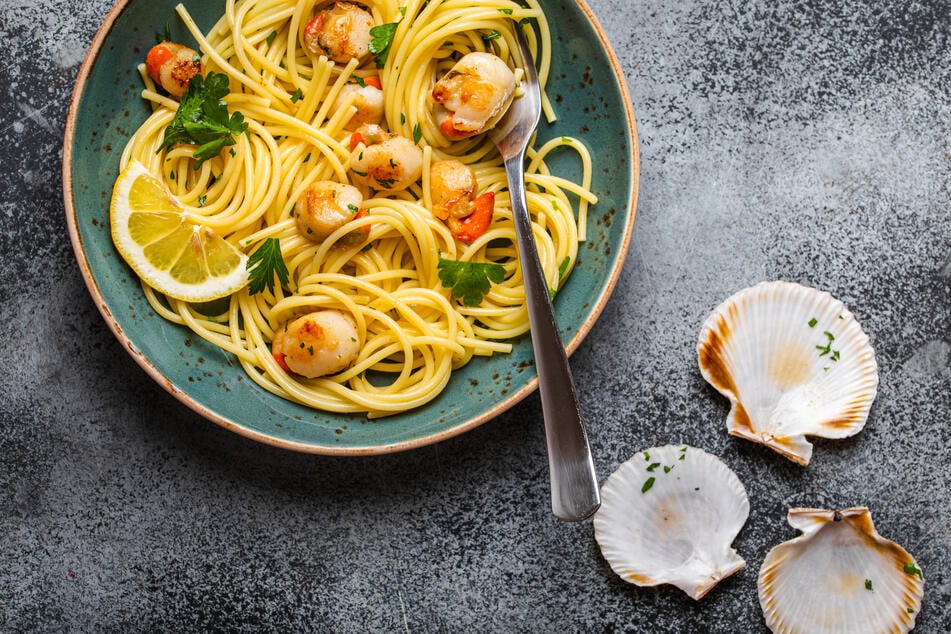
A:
(206, 412)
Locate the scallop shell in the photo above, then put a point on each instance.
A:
(793, 362)
(669, 515)
(839, 576)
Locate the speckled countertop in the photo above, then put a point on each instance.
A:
(805, 141)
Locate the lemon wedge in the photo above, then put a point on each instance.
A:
(174, 255)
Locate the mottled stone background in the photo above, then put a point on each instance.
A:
(797, 140)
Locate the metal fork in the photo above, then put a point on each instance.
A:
(574, 486)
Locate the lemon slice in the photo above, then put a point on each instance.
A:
(175, 256)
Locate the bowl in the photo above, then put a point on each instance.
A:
(588, 91)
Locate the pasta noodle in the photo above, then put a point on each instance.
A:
(412, 332)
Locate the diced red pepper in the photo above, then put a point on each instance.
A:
(373, 80)
(447, 128)
(157, 57)
(355, 139)
(474, 225)
(314, 26)
(279, 357)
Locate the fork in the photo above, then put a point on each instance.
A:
(574, 486)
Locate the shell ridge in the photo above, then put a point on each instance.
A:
(793, 362)
(839, 575)
(686, 507)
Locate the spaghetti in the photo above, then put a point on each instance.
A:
(413, 333)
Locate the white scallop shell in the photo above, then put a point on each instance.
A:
(793, 362)
(839, 576)
(669, 515)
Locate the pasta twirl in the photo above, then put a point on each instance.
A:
(413, 333)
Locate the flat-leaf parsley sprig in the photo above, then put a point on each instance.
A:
(264, 264)
(381, 37)
(202, 118)
(469, 281)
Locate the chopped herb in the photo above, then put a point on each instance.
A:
(911, 569)
(813, 322)
(682, 456)
(393, 163)
(696, 488)
(827, 348)
(270, 38)
(306, 158)
(402, 118)
(202, 118)
(358, 172)
(297, 96)
(353, 208)
(310, 350)
(232, 152)
(163, 37)
(647, 484)
(366, 247)
(505, 11)
(385, 183)
(417, 134)
(563, 267)
(358, 80)
(291, 211)
(264, 263)
(910, 610)
(381, 37)
(491, 35)
(469, 281)
(202, 199)
(647, 456)
(653, 466)
(667, 469)
(171, 176)
(868, 584)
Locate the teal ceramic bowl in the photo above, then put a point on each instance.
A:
(588, 90)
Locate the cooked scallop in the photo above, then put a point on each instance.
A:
(473, 94)
(317, 344)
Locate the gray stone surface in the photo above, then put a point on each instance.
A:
(797, 140)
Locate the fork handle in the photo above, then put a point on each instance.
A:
(574, 485)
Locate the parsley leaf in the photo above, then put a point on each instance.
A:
(417, 134)
(648, 483)
(270, 38)
(202, 118)
(912, 569)
(266, 262)
(165, 36)
(469, 281)
(381, 36)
